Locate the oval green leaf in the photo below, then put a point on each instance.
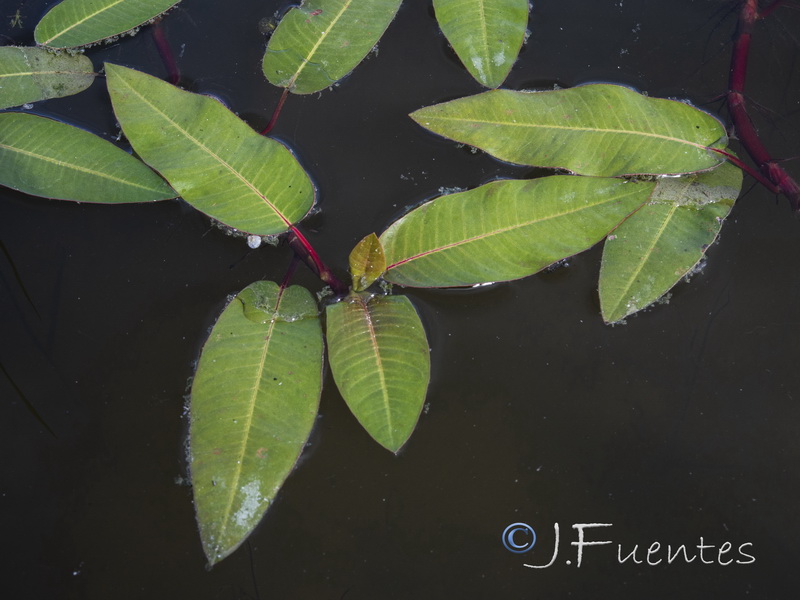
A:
(600, 129)
(254, 400)
(381, 363)
(505, 229)
(486, 34)
(33, 74)
(75, 23)
(664, 240)
(46, 158)
(214, 160)
(367, 262)
(321, 41)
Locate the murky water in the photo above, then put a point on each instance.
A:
(678, 428)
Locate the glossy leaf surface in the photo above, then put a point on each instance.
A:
(254, 400)
(46, 158)
(321, 41)
(660, 243)
(505, 229)
(367, 262)
(75, 23)
(33, 74)
(380, 361)
(214, 160)
(486, 34)
(602, 130)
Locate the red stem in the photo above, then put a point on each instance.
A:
(306, 251)
(745, 131)
(164, 50)
(277, 112)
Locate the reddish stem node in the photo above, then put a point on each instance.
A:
(306, 251)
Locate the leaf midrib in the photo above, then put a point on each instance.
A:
(505, 230)
(379, 366)
(81, 21)
(316, 46)
(211, 153)
(74, 167)
(237, 472)
(575, 129)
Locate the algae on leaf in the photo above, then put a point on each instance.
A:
(321, 41)
(254, 400)
(76, 23)
(33, 74)
(486, 34)
(663, 241)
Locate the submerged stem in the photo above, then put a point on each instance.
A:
(781, 181)
(306, 251)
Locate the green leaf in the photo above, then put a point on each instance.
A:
(505, 229)
(603, 130)
(46, 158)
(664, 240)
(214, 160)
(33, 74)
(254, 400)
(485, 34)
(380, 361)
(367, 262)
(321, 41)
(75, 23)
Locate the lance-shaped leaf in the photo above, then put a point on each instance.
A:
(321, 41)
(46, 158)
(254, 400)
(75, 23)
(214, 160)
(380, 361)
(600, 129)
(664, 240)
(505, 229)
(367, 262)
(485, 34)
(33, 74)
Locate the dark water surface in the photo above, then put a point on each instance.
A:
(678, 426)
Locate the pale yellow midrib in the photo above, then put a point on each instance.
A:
(74, 167)
(647, 255)
(248, 424)
(31, 73)
(213, 154)
(316, 46)
(82, 21)
(576, 129)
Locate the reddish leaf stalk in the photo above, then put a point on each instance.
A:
(746, 132)
(277, 112)
(164, 50)
(305, 250)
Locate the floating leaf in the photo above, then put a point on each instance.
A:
(380, 361)
(214, 160)
(46, 158)
(505, 229)
(600, 129)
(75, 23)
(485, 34)
(664, 240)
(321, 41)
(367, 262)
(33, 74)
(254, 400)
